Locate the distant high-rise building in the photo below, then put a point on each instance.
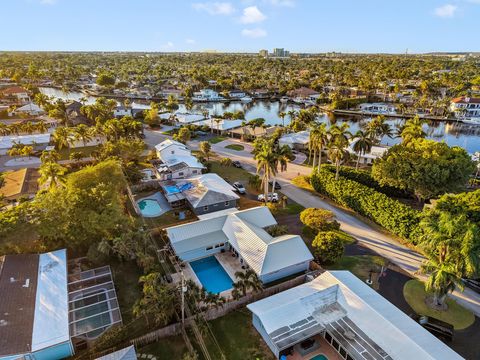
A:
(280, 52)
(263, 53)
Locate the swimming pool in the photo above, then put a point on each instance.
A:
(150, 207)
(211, 274)
(319, 357)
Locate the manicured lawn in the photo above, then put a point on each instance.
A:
(291, 209)
(458, 316)
(302, 182)
(236, 147)
(216, 139)
(359, 265)
(230, 173)
(86, 151)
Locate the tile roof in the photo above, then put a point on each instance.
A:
(466, 100)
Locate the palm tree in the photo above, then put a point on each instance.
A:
(28, 127)
(337, 151)
(413, 129)
(377, 128)
(41, 126)
(51, 173)
(61, 137)
(282, 116)
(362, 145)
(266, 162)
(84, 133)
(321, 137)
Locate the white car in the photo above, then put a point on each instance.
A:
(239, 188)
(271, 197)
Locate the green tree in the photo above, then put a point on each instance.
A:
(52, 174)
(328, 247)
(428, 168)
(62, 137)
(413, 130)
(205, 149)
(362, 145)
(266, 159)
(105, 79)
(319, 219)
(183, 135)
(151, 116)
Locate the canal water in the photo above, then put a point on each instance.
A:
(453, 133)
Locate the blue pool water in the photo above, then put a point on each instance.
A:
(211, 274)
(171, 189)
(319, 357)
(149, 207)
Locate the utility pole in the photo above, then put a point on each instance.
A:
(183, 298)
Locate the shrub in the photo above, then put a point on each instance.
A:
(319, 219)
(277, 230)
(328, 247)
(227, 162)
(389, 213)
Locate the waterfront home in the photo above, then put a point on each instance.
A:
(16, 93)
(296, 141)
(182, 118)
(206, 95)
(248, 131)
(221, 125)
(340, 317)
(465, 107)
(39, 141)
(377, 108)
(167, 91)
(127, 353)
(204, 194)
(74, 143)
(176, 161)
(303, 94)
(22, 183)
(236, 94)
(121, 111)
(74, 115)
(29, 109)
(242, 234)
(377, 151)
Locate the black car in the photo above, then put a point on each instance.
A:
(473, 284)
(440, 329)
(237, 164)
(277, 185)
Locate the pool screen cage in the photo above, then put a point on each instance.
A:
(93, 305)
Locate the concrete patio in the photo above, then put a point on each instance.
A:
(324, 349)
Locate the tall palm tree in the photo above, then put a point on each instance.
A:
(282, 116)
(41, 126)
(61, 137)
(322, 136)
(362, 145)
(52, 173)
(83, 133)
(266, 162)
(413, 129)
(378, 128)
(337, 149)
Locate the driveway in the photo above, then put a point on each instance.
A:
(368, 235)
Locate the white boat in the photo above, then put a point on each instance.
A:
(246, 99)
(471, 121)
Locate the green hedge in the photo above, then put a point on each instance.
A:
(389, 213)
(365, 178)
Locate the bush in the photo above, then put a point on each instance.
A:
(226, 162)
(389, 213)
(277, 230)
(365, 178)
(319, 219)
(328, 247)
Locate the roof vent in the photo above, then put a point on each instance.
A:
(349, 334)
(3, 322)
(12, 280)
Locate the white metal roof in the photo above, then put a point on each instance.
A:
(127, 353)
(222, 124)
(209, 189)
(172, 152)
(6, 142)
(388, 327)
(50, 324)
(29, 107)
(244, 230)
(302, 137)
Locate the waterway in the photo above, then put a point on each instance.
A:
(453, 133)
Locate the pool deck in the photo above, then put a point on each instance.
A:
(325, 349)
(164, 205)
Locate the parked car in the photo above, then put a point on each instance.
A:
(277, 185)
(440, 329)
(237, 164)
(473, 284)
(239, 188)
(271, 197)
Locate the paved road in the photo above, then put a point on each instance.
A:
(382, 243)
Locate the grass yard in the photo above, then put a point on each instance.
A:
(172, 348)
(302, 182)
(458, 316)
(236, 147)
(360, 266)
(86, 151)
(291, 209)
(125, 276)
(216, 139)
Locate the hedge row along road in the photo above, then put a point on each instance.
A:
(381, 242)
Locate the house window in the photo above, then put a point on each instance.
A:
(194, 171)
(172, 152)
(335, 344)
(328, 337)
(205, 208)
(343, 352)
(209, 248)
(227, 203)
(180, 174)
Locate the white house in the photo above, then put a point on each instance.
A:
(221, 124)
(6, 142)
(236, 94)
(177, 161)
(303, 94)
(29, 109)
(466, 107)
(338, 312)
(377, 108)
(16, 92)
(243, 233)
(77, 143)
(205, 95)
(377, 151)
(297, 140)
(121, 111)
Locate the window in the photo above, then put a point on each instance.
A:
(349, 357)
(209, 248)
(172, 152)
(343, 352)
(328, 337)
(335, 344)
(180, 174)
(194, 171)
(227, 203)
(221, 244)
(205, 208)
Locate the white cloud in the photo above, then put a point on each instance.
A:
(446, 11)
(283, 3)
(215, 8)
(254, 33)
(190, 41)
(252, 15)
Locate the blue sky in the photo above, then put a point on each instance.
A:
(241, 25)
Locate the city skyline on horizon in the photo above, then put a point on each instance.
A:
(244, 26)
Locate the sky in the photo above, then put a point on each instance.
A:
(356, 26)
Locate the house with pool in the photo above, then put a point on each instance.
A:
(223, 242)
(337, 316)
(176, 161)
(49, 311)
